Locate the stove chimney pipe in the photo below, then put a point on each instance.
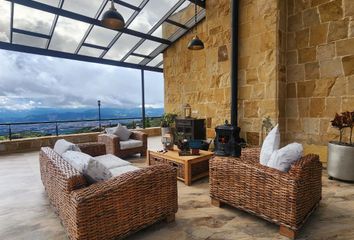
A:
(234, 61)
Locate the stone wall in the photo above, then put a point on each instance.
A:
(320, 69)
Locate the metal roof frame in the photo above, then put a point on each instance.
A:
(94, 21)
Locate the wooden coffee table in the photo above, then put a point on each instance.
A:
(189, 168)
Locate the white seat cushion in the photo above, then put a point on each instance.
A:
(122, 132)
(120, 170)
(61, 146)
(131, 143)
(78, 160)
(270, 144)
(283, 158)
(111, 161)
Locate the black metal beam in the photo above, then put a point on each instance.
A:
(176, 23)
(130, 20)
(125, 4)
(156, 26)
(94, 46)
(30, 33)
(54, 25)
(139, 55)
(143, 97)
(159, 64)
(53, 53)
(200, 3)
(12, 22)
(83, 18)
(234, 61)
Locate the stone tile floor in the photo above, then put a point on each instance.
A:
(25, 212)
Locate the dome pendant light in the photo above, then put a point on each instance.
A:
(195, 43)
(113, 19)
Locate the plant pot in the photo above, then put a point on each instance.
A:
(340, 161)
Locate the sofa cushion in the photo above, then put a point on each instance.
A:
(131, 143)
(110, 130)
(283, 158)
(62, 146)
(96, 171)
(111, 161)
(122, 132)
(78, 160)
(124, 169)
(270, 144)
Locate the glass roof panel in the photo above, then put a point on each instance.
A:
(101, 36)
(147, 47)
(53, 3)
(83, 7)
(133, 2)
(134, 59)
(68, 34)
(27, 40)
(165, 30)
(151, 14)
(126, 12)
(30, 19)
(184, 13)
(5, 15)
(156, 60)
(122, 47)
(92, 52)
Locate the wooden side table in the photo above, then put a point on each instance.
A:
(189, 168)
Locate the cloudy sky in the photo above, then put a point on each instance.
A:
(29, 81)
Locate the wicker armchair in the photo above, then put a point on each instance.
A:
(286, 199)
(111, 209)
(113, 145)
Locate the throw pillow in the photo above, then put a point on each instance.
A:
(122, 132)
(270, 144)
(110, 130)
(78, 160)
(283, 158)
(61, 146)
(96, 171)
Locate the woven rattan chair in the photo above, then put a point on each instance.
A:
(113, 145)
(286, 199)
(111, 209)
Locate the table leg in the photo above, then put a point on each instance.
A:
(188, 174)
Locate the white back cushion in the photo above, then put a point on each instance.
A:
(270, 144)
(122, 132)
(131, 143)
(78, 160)
(96, 171)
(62, 146)
(283, 158)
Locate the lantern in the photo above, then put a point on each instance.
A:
(187, 111)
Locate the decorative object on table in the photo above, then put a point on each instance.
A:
(341, 154)
(167, 141)
(187, 111)
(195, 43)
(113, 19)
(195, 146)
(227, 141)
(191, 128)
(183, 146)
(167, 123)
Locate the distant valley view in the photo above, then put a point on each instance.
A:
(56, 114)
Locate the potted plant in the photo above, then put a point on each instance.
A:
(341, 154)
(167, 122)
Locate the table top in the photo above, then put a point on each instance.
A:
(174, 155)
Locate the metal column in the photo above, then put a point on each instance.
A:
(143, 95)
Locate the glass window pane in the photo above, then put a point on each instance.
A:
(165, 30)
(54, 3)
(134, 2)
(30, 19)
(83, 7)
(29, 40)
(147, 47)
(151, 14)
(156, 60)
(68, 34)
(122, 47)
(101, 36)
(154, 93)
(5, 15)
(134, 59)
(92, 52)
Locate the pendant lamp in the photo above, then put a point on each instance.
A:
(113, 19)
(195, 43)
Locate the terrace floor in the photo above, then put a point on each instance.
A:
(25, 212)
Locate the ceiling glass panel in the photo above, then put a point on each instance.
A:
(134, 2)
(184, 13)
(147, 47)
(83, 7)
(68, 34)
(101, 36)
(156, 60)
(53, 3)
(165, 30)
(151, 14)
(5, 15)
(30, 19)
(29, 40)
(134, 59)
(92, 52)
(122, 47)
(126, 12)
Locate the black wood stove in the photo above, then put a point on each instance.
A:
(227, 141)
